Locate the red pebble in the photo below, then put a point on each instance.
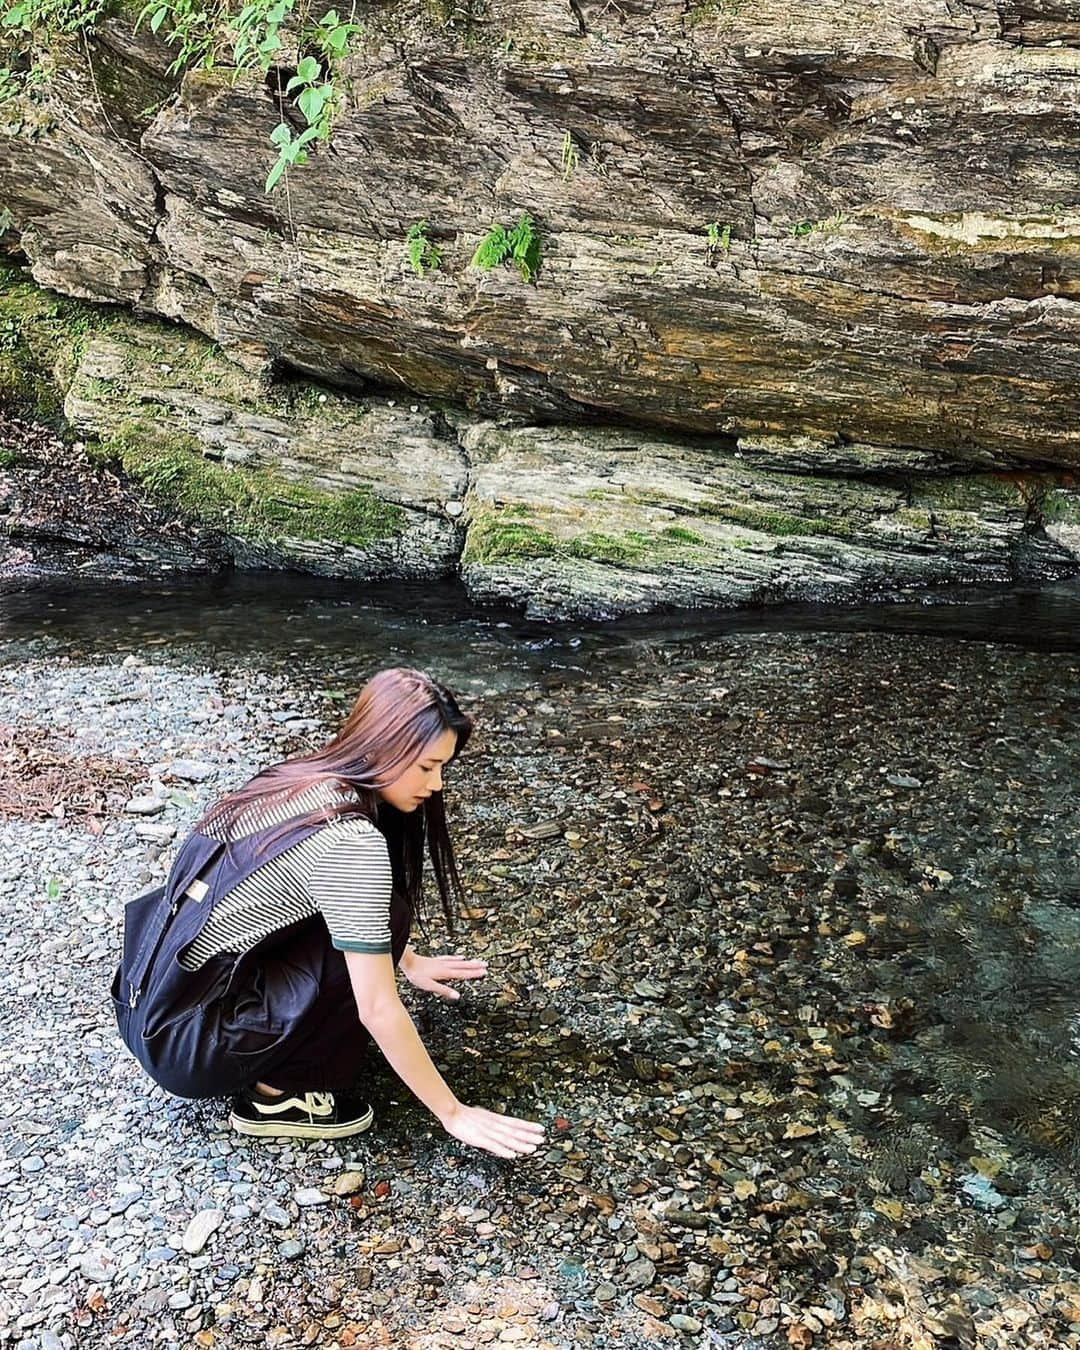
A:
(561, 1123)
(382, 1188)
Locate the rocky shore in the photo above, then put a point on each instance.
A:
(751, 909)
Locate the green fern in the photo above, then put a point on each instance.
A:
(424, 256)
(519, 245)
(494, 248)
(525, 247)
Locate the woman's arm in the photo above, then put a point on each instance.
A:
(383, 1014)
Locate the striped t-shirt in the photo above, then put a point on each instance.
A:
(341, 872)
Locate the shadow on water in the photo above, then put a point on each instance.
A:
(307, 624)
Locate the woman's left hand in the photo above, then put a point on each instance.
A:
(429, 972)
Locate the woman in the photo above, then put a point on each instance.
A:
(265, 967)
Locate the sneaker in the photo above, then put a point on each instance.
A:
(308, 1115)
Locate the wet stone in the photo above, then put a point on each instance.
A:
(687, 1218)
(638, 1274)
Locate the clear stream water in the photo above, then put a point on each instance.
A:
(304, 622)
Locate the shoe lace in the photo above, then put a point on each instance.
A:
(318, 1101)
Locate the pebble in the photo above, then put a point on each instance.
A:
(639, 1274)
(348, 1183)
(191, 770)
(687, 1218)
(155, 834)
(276, 1215)
(144, 806)
(683, 1322)
(307, 1196)
(200, 1229)
(291, 1248)
(97, 1266)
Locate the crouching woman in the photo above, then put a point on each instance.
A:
(265, 967)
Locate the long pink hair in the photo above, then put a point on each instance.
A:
(397, 715)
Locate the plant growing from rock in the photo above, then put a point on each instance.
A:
(570, 157)
(520, 245)
(251, 36)
(424, 256)
(717, 240)
(826, 226)
(722, 13)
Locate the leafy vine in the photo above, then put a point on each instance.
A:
(251, 37)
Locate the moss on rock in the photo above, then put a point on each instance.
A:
(493, 538)
(517, 531)
(972, 492)
(775, 522)
(249, 503)
(1061, 507)
(41, 337)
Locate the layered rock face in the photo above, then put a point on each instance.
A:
(897, 187)
(560, 521)
(790, 243)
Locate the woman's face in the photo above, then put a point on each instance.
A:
(423, 776)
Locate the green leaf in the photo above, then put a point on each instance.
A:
(281, 134)
(158, 17)
(494, 249)
(525, 246)
(312, 101)
(274, 174)
(308, 71)
(423, 255)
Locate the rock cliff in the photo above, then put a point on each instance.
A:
(783, 245)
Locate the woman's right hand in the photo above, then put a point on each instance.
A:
(505, 1136)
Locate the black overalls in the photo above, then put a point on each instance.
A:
(283, 1012)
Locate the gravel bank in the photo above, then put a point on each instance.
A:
(740, 902)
